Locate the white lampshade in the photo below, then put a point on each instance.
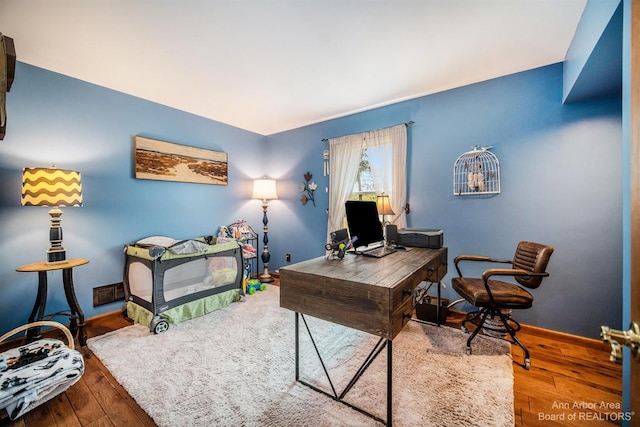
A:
(264, 189)
(384, 205)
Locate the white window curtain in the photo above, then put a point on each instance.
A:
(389, 146)
(344, 158)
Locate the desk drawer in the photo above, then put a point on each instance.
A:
(368, 294)
(437, 268)
(401, 315)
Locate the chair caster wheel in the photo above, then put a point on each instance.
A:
(468, 351)
(527, 364)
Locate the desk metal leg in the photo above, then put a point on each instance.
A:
(38, 308)
(382, 342)
(77, 316)
(389, 385)
(297, 346)
(438, 302)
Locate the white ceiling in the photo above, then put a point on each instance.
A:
(273, 65)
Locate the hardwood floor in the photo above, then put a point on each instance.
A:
(96, 400)
(571, 383)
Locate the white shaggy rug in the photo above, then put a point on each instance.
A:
(236, 367)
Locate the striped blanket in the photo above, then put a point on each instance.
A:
(36, 372)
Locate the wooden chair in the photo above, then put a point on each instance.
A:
(492, 297)
(37, 371)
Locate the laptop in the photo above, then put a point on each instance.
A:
(379, 252)
(364, 225)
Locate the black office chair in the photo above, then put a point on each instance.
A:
(492, 296)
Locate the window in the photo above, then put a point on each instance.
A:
(364, 187)
(361, 166)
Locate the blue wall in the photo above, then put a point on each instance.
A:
(593, 63)
(56, 119)
(561, 184)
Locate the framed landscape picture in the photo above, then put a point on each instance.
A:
(166, 161)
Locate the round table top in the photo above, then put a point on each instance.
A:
(45, 266)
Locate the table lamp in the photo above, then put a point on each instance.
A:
(54, 188)
(384, 206)
(265, 189)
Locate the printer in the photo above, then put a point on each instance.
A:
(420, 237)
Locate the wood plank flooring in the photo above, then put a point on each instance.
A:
(571, 383)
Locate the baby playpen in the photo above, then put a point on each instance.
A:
(168, 281)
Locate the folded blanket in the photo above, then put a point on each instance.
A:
(36, 372)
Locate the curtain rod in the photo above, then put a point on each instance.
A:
(409, 123)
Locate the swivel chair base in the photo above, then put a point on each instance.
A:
(509, 326)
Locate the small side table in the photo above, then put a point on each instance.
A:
(76, 316)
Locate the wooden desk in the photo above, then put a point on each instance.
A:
(75, 315)
(374, 295)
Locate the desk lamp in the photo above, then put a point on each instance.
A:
(54, 188)
(384, 207)
(265, 189)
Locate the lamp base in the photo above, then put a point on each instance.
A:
(266, 278)
(56, 256)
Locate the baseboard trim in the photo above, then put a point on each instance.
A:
(551, 334)
(103, 315)
(566, 337)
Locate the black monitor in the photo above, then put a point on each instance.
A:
(363, 222)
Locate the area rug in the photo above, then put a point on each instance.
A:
(236, 367)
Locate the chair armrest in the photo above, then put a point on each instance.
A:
(481, 258)
(471, 258)
(505, 272)
(509, 272)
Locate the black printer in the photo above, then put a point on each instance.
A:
(420, 238)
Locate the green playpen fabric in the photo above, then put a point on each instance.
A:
(186, 311)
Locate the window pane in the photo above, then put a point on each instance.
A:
(374, 173)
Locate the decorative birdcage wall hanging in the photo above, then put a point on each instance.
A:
(476, 172)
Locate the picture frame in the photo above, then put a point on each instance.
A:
(167, 161)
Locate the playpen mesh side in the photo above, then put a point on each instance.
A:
(140, 280)
(197, 275)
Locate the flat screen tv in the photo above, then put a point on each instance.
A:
(363, 222)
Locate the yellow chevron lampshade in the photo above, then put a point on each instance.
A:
(51, 187)
(54, 188)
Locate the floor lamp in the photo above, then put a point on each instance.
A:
(265, 190)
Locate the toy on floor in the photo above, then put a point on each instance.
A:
(254, 285)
